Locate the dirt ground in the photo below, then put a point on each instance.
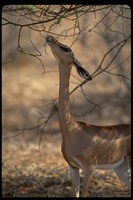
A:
(31, 172)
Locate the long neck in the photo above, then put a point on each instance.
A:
(65, 118)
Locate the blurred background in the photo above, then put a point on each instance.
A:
(99, 36)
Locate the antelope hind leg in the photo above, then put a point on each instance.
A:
(122, 172)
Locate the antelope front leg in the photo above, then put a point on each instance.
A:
(75, 180)
(88, 174)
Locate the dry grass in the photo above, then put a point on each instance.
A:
(31, 172)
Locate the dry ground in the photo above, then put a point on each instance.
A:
(29, 172)
(26, 170)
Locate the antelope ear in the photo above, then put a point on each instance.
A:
(81, 71)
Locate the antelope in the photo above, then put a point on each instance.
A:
(86, 146)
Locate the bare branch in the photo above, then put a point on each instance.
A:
(120, 45)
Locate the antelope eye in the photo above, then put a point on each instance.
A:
(65, 48)
(48, 39)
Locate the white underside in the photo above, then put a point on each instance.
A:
(110, 166)
(102, 167)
